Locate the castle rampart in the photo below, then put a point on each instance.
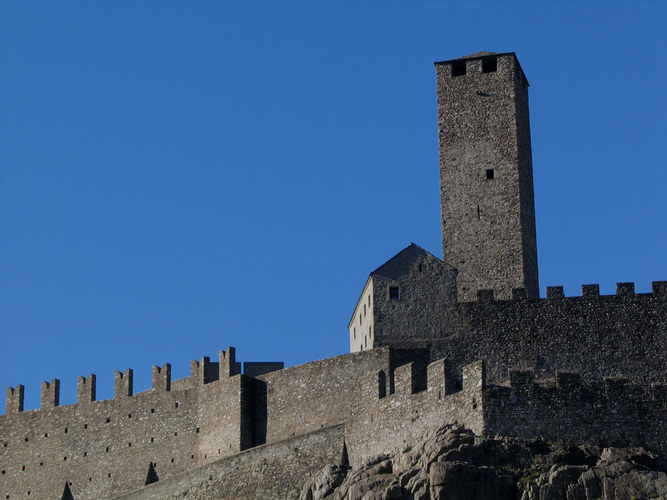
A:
(610, 412)
(105, 447)
(596, 335)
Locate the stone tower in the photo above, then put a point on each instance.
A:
(486, 175)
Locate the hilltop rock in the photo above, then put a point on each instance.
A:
(452, 463)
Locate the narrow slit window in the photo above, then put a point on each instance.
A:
(490, 65)
(458, 68)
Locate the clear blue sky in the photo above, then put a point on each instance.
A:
(178, 177)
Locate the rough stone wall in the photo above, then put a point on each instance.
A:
(274, 471)
(613, 412)
(488, 220)
(320, 394)
(422, 305)
(381, 422)
(106, 447)
(620, 335)
(391, 420)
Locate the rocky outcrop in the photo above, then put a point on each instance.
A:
(452, 463)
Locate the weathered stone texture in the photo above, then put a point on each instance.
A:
(411, 296)
(486, 180)
(596, 336)
(106, 447)
(275, 471)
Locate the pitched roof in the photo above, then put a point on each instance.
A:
(395, 266)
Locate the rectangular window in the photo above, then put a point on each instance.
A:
(393, 292)
(458, 68)
(490, 174)
(489, 65)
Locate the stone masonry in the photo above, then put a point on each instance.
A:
(486, 174)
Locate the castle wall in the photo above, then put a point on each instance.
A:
(273, 472)
(320, 394)
(613, 412)
(105, 447)
(620, 335)
(391, 421)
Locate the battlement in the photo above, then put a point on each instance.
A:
(201, 372)
(439, 381)
(110, 444)
(658, 289)
(566, 407)
(609, 410)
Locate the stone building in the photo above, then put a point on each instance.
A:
(465, 340)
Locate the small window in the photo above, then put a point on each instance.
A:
(393, 292)
(489, 65)
(458, 68)
(354, 333)
(490, 173)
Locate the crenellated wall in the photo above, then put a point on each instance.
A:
(382, 400)
(384, 397)
(391, 420)
(611, 411)
(621, 335)
(107, 447)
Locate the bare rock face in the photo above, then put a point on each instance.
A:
(453, 464)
